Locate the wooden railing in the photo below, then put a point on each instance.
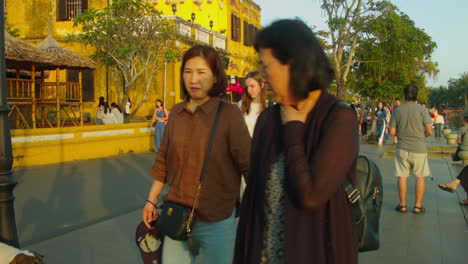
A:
(19, 89)
(66, 91)
(71, 91)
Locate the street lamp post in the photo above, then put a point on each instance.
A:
(174, 8)
(193, 17)
(8, 233)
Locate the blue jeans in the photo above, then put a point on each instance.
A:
(158, 134)
(438, 130)
(215, 240)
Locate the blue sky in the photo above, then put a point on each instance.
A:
(446, 21)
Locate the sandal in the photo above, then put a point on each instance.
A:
(444, 187)
(401, 208)
(419, 210)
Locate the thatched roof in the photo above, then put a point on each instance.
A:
(27, 73)
(65, 58)
(20, 54)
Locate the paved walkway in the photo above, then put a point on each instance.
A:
(87, 211)
(440, 236)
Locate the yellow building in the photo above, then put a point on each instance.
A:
(228, 25)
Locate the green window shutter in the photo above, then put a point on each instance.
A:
(61, 10)
(88, 85)
(84, 5)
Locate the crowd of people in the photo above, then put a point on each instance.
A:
(264, 146)
(108, 115)
(382, 115)
(274, 164)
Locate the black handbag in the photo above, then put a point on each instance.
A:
(365, 197)
(175, 220)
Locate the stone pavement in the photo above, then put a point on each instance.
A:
(87, 211)
(440, 236)
(83, 211)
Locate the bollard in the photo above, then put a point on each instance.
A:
(463, 155)
(446, 132)
(452, 139)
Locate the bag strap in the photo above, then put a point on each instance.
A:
(353, 194)
(210, 141)
(205, 162)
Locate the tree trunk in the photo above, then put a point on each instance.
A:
(117, 85)
(340, 89)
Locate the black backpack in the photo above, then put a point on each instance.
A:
(366, 197)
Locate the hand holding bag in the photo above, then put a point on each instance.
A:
(176, 220)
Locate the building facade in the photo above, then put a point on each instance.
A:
(227, 25)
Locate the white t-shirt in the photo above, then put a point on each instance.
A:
(127, 108)
(107, 118)
(118, 116)
(252, 116)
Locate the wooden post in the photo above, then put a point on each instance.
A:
(33, 95)
(57, 83)
(41, 97)
(80, 92)
(17, 95)
(17, 83)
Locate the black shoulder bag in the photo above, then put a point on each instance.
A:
(365, 196)
(175, 220)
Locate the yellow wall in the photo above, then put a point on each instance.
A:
(33, 147)
(32, 19)
(243, 57)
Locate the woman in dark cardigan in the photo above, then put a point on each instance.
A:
(294, 209)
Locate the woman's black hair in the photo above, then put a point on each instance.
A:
(383, 105)
(213, 59)
(101, 101)
(116, 106)
(293, 42)
(106, 107)
(159, 100)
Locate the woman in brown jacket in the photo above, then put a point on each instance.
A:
(181, 156)
(294, 209)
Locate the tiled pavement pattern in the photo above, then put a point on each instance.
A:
(87, 211)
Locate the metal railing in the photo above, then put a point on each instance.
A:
(73, 8)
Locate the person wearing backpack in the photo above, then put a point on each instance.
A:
(295, 209)
(411, 124)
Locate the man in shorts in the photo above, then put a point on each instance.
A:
(411, 124)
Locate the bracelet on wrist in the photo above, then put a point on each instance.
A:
(148, 201)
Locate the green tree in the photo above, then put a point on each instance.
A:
(439, 96)
(392, 53)
(132, 37)
(455, 96)
(344, 23)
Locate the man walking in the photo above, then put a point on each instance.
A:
(411, 124)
